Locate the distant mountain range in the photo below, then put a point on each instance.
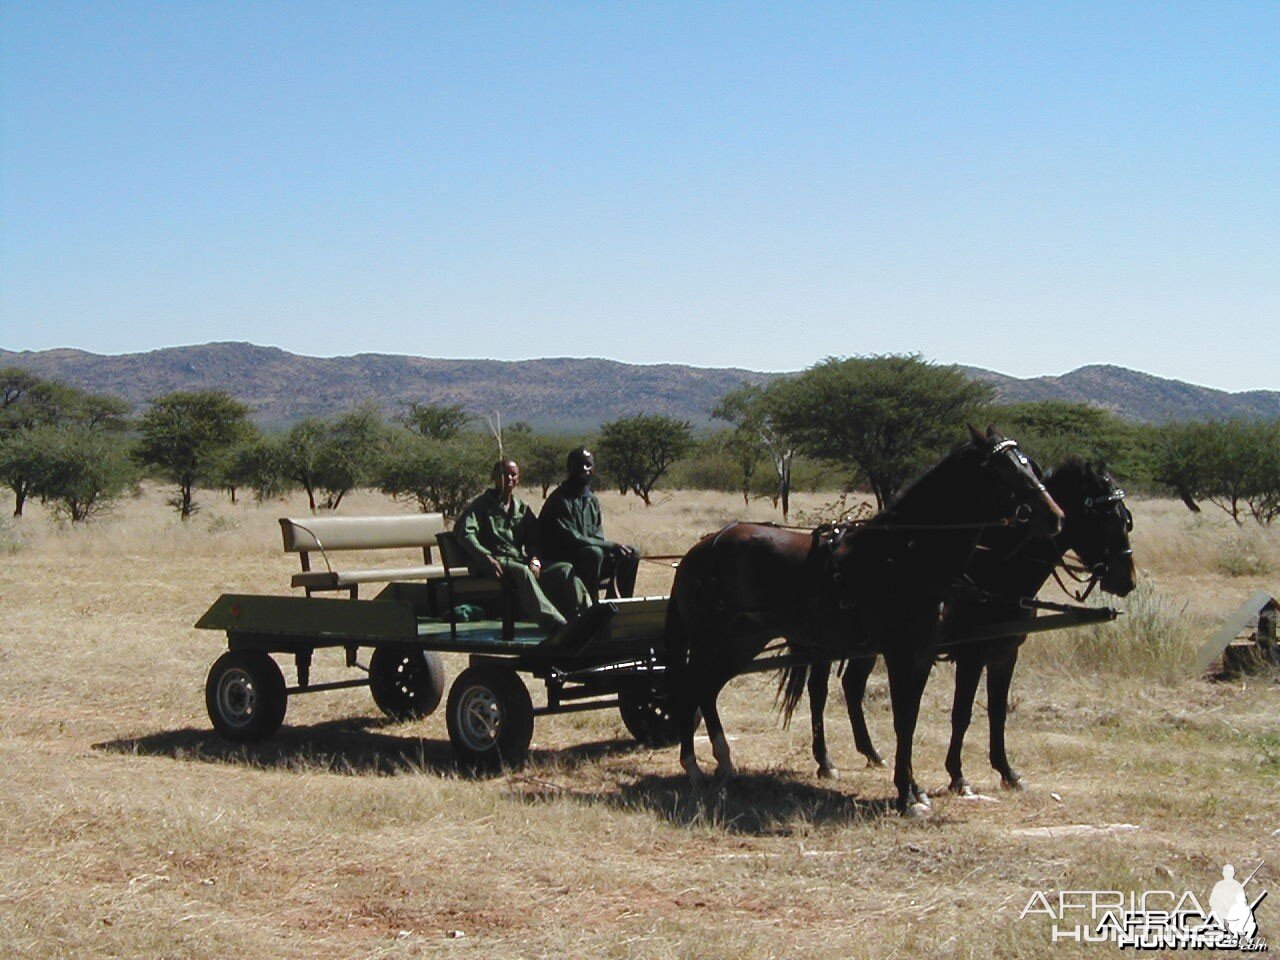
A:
(552, 394)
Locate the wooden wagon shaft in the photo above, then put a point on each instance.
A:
(1017, 628)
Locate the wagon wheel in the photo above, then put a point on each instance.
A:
(407, 683)
(648, 718)
(245, 695)
(490, 718)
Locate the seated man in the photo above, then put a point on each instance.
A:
(500, 536)
(572, 532)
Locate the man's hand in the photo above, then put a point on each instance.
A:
(536, 566)
(497, 567)
(623, 550)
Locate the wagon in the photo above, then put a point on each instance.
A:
(611, 658)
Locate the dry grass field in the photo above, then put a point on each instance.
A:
(127, 829)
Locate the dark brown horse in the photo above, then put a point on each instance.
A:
(881, 587)
(1005, 568)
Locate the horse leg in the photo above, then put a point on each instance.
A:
(856, 672)
(907, 677)
(819, 680)
(715, 729)
(968, 673)
(999, 678)
(685, 707)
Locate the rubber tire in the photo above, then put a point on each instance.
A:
(649, 720)
(407, 683)
(490, 718)
(245, 696)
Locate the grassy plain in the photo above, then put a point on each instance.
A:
(127, 829)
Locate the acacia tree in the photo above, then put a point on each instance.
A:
(438, 475)
(184, 437)
(753, 416)
(1052, 430)
(29, 403)
(79, 469)
(638, 450)
(256, 463)
(329, 458)
(438, 421)
(300, 456)
(353, 447)
(883, 416)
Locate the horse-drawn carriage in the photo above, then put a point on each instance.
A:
(947, 572)
(610, 658)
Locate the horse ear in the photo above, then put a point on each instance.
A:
(994, 435)
(978, 438)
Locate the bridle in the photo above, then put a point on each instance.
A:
(1092, 576)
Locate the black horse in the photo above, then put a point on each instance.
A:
(884, 586)
(1005, 568)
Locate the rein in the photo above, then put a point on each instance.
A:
(889, 527)
(1080, 574)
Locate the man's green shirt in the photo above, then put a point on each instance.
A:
(570, 521)
(486, 528)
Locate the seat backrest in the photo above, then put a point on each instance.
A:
(361, 533)
(452, 552)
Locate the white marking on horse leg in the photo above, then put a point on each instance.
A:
(916, 811)
(720, 750)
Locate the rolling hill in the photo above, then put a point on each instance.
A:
(560, 393)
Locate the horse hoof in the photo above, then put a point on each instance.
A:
(1015, 785)
(962, 789)
(828, 773)
(875, 762)
(916, 811)
(697, 779)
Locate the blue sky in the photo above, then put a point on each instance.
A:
(1027, 187)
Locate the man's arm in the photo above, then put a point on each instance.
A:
(467, 529)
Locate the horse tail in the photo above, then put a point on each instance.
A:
(791, 687)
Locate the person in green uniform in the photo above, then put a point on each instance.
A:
(501, 538)
(572, 531)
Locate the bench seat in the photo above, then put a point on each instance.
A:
(329, 536)
(337, 579)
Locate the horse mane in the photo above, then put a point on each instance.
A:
(922, 484)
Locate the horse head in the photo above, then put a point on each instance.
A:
(1020, 487)
(1097, 523)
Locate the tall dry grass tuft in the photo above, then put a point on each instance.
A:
(1153, 639)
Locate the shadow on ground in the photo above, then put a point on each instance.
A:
(767, 803)
(352, 746)
(758, 804)
(355, 746)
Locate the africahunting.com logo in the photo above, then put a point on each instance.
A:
(1156, 919)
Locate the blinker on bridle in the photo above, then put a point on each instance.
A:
(1007, 445)
(1115, 497)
